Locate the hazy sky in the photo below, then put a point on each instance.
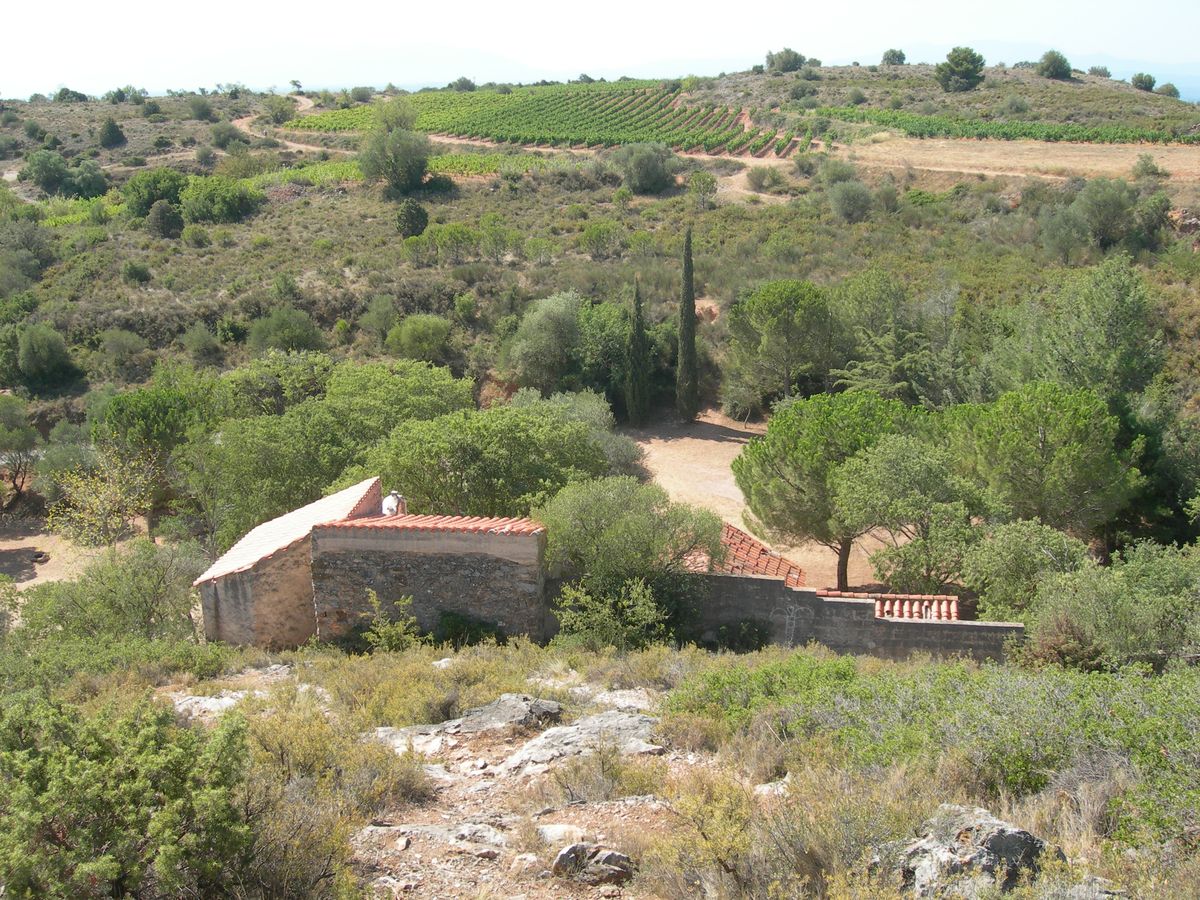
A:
(93, 47)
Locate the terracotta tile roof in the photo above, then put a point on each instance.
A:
(458, 524)
(278, 534)
(746, 555)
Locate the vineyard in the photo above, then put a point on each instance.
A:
(572, 116)
(947, 126)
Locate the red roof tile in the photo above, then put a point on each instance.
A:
(457, 524)
(746, 555)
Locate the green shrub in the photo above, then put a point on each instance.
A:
(646, 168)
(285, 328)
(217, 199)
(421, 336)
(195, 236)
(393, 630)
(144, 189)
(151, 807)
(1006, 568)
(1142, 81)
(851, 201)
(411, 218)
(110, 134)
(42, 354)
(626, 619)
(135, 272)
(164, 220)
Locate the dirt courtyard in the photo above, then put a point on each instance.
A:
(693, 464)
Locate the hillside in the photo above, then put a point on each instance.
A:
(673, 380)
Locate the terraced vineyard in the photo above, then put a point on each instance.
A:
(571, 116)
(949, 126)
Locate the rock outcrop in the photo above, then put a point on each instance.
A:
(592, 864)
(631, 732)
(509, 711)
(962, 852)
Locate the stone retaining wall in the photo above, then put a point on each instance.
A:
(492, 578)
(796, 616)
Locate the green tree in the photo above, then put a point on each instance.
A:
(785, 60)
(606, 531)
(782, 337)
(398, 158)
(893, 58)
(19, 443)
(252, 470)
(909, 489)
(45, 168)
(544, 349)
(1050, 453)
(372, 399)
(1006, 568)
(702, 187)
(1167, 90)
(279, 109)
(1142, 81)
(285, 328)
(501, 461)
(99, 505)
(787, 475)
(110, 134)
(962, 70)
(687, 379)
(146, 188)
(1100, 331)
(421, 336)
(639, 365)
(593, 410)
(1054, 65)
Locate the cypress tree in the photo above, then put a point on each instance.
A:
(687, 378)
(637, 372)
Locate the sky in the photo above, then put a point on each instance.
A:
(94, 47)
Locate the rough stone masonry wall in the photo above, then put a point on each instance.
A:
(269, 605)
(454, 573)
(797, 616)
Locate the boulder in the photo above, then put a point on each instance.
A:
(631, 732)
(962, 852)
(592, 864)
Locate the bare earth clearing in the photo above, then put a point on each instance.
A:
(692, 463)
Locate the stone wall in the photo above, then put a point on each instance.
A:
(269, 605)
(492, 578)
(796, 616)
